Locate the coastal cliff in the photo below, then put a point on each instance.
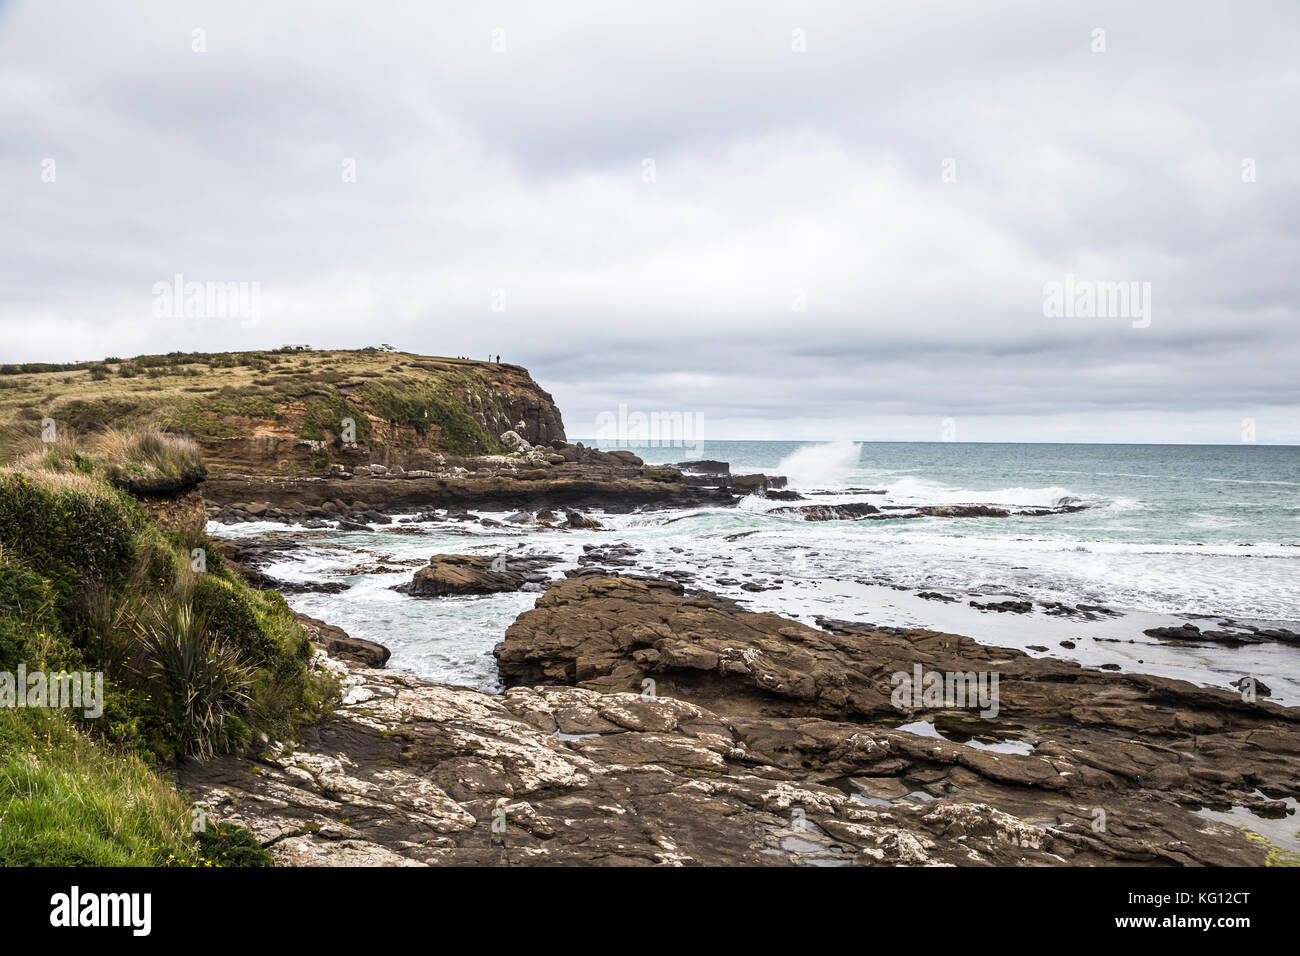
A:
(644, 719)
(293, 411)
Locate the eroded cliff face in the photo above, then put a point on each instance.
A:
(416, 431)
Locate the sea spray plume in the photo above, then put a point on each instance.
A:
(824, 466)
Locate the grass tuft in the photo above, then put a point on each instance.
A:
(68, 800)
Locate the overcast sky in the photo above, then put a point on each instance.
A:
(502, 202)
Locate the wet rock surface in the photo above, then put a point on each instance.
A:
(850, 511)
(1238, 635)
(449, 574)
(1013, 607)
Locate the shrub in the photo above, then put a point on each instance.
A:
(226, 844)
(146, 460)
(201, 679)
(193, 663)
(69, 527)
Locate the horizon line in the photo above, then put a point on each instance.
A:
(913, 441)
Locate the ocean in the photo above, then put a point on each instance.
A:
(1171, 533)
(1208, 529)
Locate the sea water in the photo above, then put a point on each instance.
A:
(1170, 533)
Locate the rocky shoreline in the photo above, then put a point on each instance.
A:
(758, 741)
(570, 476)
(647, 720)
(537, 478)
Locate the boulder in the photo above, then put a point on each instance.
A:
(625, 456)
(516, 442)
(748, 484)
(336, 642)
(575, 521)
(449, 574)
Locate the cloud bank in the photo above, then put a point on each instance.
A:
(825, 222)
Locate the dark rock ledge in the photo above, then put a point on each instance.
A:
(767, 742)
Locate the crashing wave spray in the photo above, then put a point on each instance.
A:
(824, 467)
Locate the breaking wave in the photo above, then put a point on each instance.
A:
(825, 466)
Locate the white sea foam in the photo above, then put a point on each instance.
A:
(1252, 481)
(922, 491)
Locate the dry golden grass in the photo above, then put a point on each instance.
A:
(185, 395)
(137, 457)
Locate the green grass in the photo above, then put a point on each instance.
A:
(146, 460)
(66, 799)
(193, 663)
(141, 460)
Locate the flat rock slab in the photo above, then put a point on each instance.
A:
(746, 739)
(412, 773)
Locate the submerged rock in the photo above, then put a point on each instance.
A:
(703, 467)
(1014, 607)
(849, 511)
(861, 509)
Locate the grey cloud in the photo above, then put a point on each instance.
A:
(776, 172)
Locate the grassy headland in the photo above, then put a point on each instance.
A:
(448, 405)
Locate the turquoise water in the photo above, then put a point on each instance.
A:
(1148, 494)
(1173, 529)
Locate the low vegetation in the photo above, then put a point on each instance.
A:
(140, 460)
(194, 661)
(67, 799)
(442, 403)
